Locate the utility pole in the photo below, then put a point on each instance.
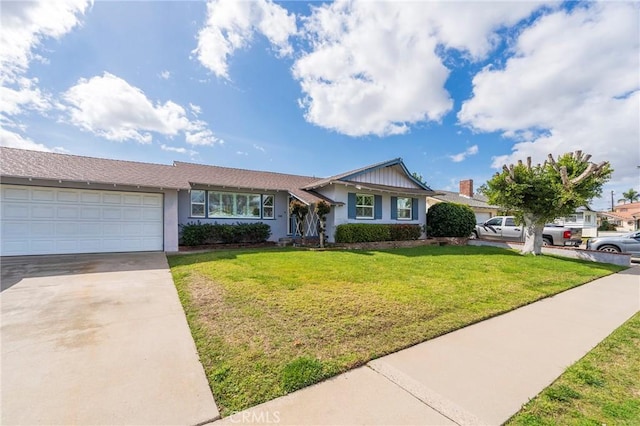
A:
(611, 200)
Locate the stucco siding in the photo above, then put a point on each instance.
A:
(339, 214)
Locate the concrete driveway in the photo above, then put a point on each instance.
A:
(97, 339)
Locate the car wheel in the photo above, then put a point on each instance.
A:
(609, 249)
(547, 242)
(473, 236)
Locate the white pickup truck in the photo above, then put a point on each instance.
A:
(504, 228)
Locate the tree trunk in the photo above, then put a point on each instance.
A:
(322, 221)
(532, 235)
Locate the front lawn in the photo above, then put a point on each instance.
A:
(603, 388)
(269, 322)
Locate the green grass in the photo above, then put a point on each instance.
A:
(269, 322)
(603, 388)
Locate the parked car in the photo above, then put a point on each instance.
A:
(504, 228)
(627, 243)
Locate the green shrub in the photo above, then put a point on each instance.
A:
(196, 234)
(450, 220)
(371, 232)
(405, 232)
(606, 226)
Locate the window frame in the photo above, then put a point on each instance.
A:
(365, 206)
(226, 205)
(404, 208)
(203, 203)
(265, 206)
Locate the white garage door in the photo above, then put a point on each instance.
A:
(482, 217)
(40, 220)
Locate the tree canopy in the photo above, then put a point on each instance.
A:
(631, 195)
(549, 190)
(539, 194)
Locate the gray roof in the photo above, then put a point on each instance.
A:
(73, 168)
(478, 200)
(200, 174)
(20, 163)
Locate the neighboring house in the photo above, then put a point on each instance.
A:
(626, 217)
(55, 203)
(583, 218)
(478, 203)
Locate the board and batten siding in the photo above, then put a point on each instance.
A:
(389, 176)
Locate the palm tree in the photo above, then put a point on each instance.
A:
(631, 195)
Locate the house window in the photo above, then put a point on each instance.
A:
(197, 203)
(364, 206)
(267, 206)
(226, 204)
(404, 208)
(587, 218)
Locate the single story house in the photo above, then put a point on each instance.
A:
(56, 203)
(583, 218)
(478, 203)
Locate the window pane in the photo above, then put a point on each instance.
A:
(197, 210)
(254, 205)
(227, 205)
(267, 206)
(242, 205)
(404, 214)
(197, 196)
(214, 204)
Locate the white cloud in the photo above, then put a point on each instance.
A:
(232, 24)
(26, 24)
(572, 83)
(472, 150)
(374, 67)
(258, 147)
(14, 140)
(242, 153)
(195, 109)
(180, 150)
(110, 107)
(165, 75)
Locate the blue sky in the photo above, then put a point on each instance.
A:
(456, 89)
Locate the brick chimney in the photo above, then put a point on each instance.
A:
(466, 188)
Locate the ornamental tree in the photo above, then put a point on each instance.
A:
(539, 194)
(299, 210)
(322, 210)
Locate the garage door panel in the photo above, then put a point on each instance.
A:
(14, 211)
(131, 214)
(111, 214)
(90, 213)
(70, 212)
(43, 195)
(15, 194)
(38, 220)
(111, 198)
(151, 214)
(90, 197)
(68, 196)
(43, 212)
(15, 229)
(41, 229)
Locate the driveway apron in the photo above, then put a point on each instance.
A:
(97, 339)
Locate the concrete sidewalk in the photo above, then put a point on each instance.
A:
(481, 374)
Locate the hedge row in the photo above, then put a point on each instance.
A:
(371, 232)
(196, 234)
